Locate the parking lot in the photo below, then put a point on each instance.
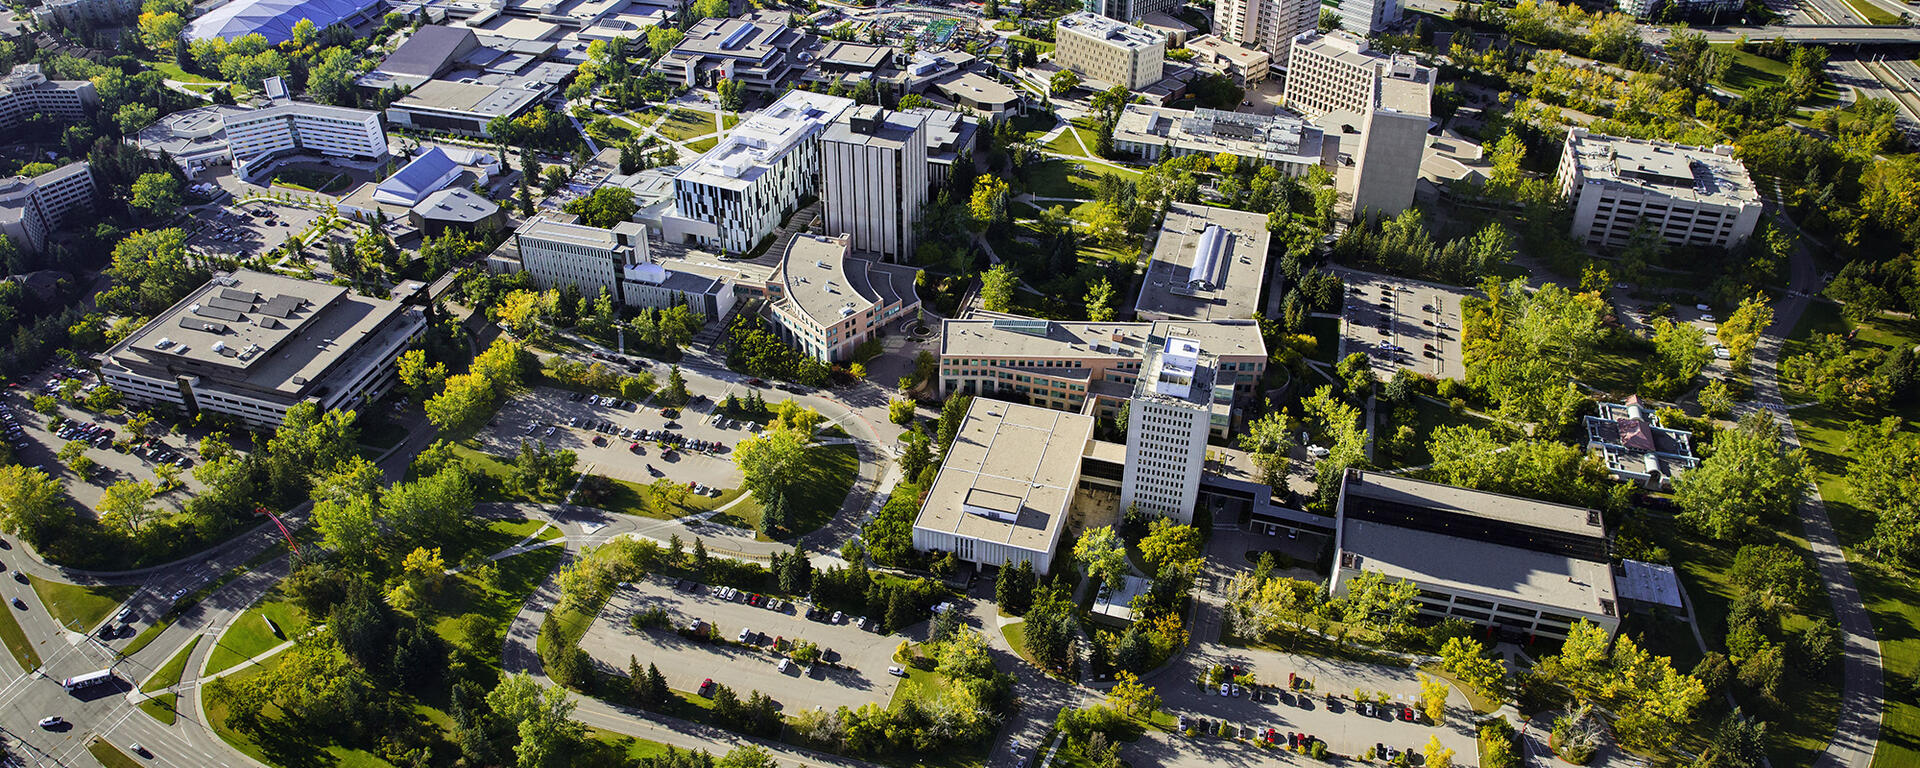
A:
(857, 675)
(250, 229)
(545, 415)
(42, 441)
(1401, 323)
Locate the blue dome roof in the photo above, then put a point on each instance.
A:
(273, 19)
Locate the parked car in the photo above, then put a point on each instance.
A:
(898, 672)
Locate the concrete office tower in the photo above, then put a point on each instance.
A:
(30, 208)
(874, 179)
(1367, 17)
(1265, 25)
(1393, 141)
(1689, 195)
(1109, 51)
(1338, 72)
(1176, 403)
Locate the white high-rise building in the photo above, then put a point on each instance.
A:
(1265, 25)
(1177, 401)
(1687, 195)
(1129, 11)
(26, 91)
(1109, 51)
(740, 191)
(32, 207)
(875, 179)
(300, 128)
(1367, 17)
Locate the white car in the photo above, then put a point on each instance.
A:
(51, 721)
(1317, 452)
(896, 672)
(1720, 351)
(1708, 318)
(784, 665)
(1703, 307)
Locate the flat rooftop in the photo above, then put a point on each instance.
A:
(822, 279)
(755, 36)
(1479, 567)
(1563, 518)
(870, 126)
(1047, 339)
(272, 332)
(1339, 45)
(1244, 58)
(1273, 138)
(1700, 174)
(1208, 264)
(1018, 465)
(758, 142)
(469, 98)
(1109, 31)
(542, 228)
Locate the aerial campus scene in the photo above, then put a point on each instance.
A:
(897, 383)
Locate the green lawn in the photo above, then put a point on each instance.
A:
(1068, 142)
(920, 685)
(249, 635)
(1750, 70)
(632, 749)
(821, 485)
(1873, 13)
(169, 673)
(686, 124)
(702, 145)
(1064, 178)
(1427, 417)
(109, 755)
(17, 643)
(76, 607)
(464, 596)
(172, 71)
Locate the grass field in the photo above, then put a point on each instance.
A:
(1873, 13)
(702, 145)
(17, 643)
(172, 71)
(250, 636)
(684, 124)
(1068, 142)
(1750, 70)
(109, 755)
(169, 673)
(1064, 178)
(1887, 591)
(76, 607)
(823, 480)
(464, 596)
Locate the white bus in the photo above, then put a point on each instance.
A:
(88, 680)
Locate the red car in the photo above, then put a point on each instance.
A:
(753, 600)
(1406, 713)
(706, 686)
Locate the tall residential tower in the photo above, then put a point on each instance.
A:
(1177, 401)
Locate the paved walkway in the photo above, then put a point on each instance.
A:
(1861, 688)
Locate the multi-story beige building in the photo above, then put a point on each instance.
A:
(1182, 398)
(1084, 367)
(1006, 486)
(1248, 68)
(1109, 51)
(1265, 25)
(1338, 72)
(826, 302)
(1687, 195)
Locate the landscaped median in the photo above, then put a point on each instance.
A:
(161, 707)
